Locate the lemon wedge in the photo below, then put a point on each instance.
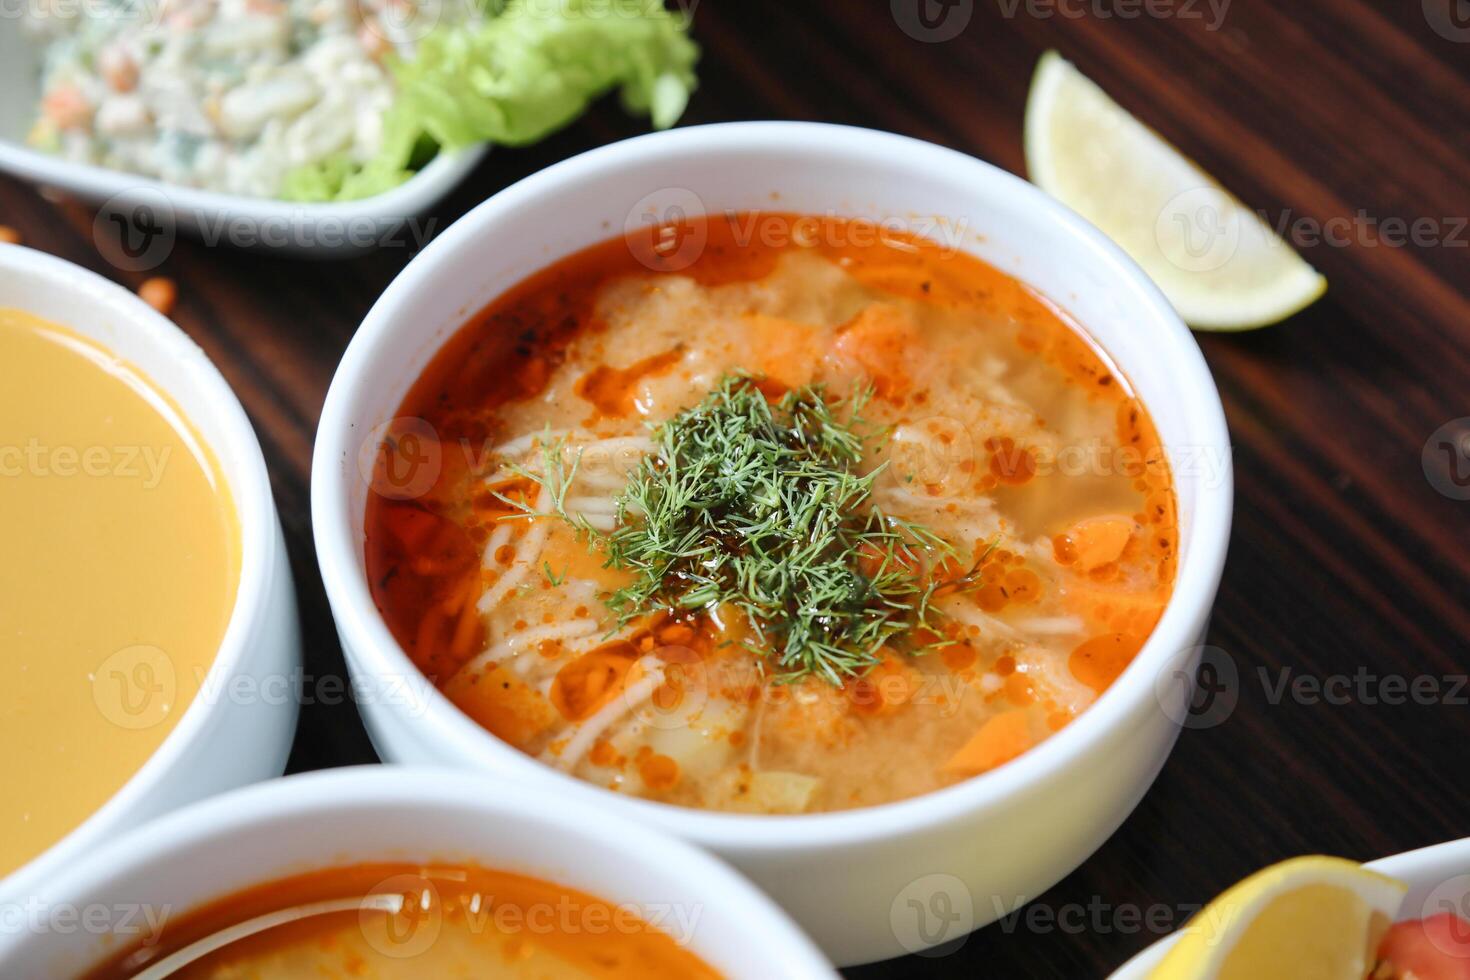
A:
(1221, 266)
(1310, 918)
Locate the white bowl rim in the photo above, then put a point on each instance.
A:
(325, 791)
(368, 641)
(414, 195)
(254, 510)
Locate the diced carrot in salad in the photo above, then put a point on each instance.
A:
(66, 107)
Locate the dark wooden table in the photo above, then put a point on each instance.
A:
(1350, 560)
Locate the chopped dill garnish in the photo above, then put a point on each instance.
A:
(763, 507)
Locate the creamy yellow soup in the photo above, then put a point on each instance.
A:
(121, 561)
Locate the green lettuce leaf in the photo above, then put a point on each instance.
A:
(514, 79)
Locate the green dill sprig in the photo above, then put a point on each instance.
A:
(764, 507)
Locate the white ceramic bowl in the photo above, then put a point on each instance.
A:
(392, 814)
(146, 207)
(224, 739)
(859, 881)
(1438, 878)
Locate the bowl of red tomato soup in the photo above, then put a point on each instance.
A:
(829, 499)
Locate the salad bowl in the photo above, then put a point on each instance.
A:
(141, 216)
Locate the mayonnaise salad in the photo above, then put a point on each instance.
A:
(322, 100)
(227, 95)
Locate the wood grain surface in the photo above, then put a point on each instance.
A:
(1346, 560)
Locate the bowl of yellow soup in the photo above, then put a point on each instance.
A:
(391, 873)
(149, 648)
(830, 499)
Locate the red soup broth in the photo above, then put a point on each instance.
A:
(413, 921)
(1007, 432)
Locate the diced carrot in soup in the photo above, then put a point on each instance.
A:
(878, 343)
(1094, 542)
(1001, 739)
(1116, 608)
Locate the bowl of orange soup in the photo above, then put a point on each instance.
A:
(391, 873)
(148, 642)
(827, 498)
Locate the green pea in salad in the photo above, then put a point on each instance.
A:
(329, 100)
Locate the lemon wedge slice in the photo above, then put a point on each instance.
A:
(1310, 918)
(1221, 266)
